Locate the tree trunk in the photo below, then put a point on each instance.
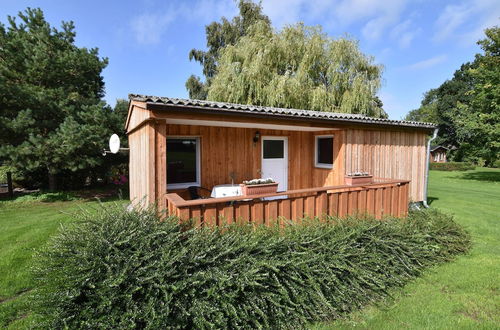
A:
(52, 182)
(9, 184)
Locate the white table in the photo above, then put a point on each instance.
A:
(226, 190)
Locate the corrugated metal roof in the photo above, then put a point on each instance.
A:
(438, 147)
(282, 112)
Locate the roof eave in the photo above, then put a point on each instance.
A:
(236, 112)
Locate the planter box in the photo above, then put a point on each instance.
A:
(354, 180)
(259, 189)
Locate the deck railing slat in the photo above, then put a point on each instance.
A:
(383, 198)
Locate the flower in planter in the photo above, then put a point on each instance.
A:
(358, 174)
(258, 181)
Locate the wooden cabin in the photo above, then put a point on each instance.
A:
(438, 154)
(177, 145)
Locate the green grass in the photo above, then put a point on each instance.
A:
(25, 226)
(463, 294)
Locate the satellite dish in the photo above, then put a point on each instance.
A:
(114, 143)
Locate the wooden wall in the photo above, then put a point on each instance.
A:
(225, 150)
(147, 164)
(139, 145)
(385, 154)
(388, 154)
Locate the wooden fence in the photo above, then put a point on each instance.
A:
(383, 198)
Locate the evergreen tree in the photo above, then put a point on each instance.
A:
(220, 35)
(298, 67)
(51, 117)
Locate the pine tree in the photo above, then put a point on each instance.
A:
(51, 117)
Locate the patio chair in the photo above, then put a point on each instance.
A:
(197, 192)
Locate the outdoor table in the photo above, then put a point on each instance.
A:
(226, 190)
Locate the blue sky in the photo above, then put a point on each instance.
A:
(420, 43)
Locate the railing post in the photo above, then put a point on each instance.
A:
(9, 185)
(378, 199)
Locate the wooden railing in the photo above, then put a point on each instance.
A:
(381, 198)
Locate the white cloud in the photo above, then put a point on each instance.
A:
(428, 63)
(289, 12)
(386, 13)
(452, 17)
(404, 33)
(377, 16)
(149, 27)
(467, 20)
(210, 10)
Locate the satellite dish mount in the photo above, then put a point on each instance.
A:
(114, 146)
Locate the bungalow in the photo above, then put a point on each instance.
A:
(182, 149)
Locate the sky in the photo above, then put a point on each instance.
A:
(420, 43)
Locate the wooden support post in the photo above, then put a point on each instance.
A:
(9, 185)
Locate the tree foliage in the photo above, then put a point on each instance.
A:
(220, 35)
(51, 118)
(297, 67)
(467, 107)
(478, 124)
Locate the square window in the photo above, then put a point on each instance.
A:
(273, 149)
(324, 151)
(183, 162)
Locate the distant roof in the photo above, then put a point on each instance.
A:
(438, 147)
(279, 112)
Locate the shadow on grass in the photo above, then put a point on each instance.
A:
(491, 176)
(431, 199)
(103, 195)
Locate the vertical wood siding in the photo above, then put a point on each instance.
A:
(225, 150)
(139, 169)
(385, 154)
(390, 155)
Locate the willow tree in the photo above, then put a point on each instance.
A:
(298, 67)
(219, 35)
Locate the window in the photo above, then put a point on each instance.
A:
(273, 149)
(183, 162)
(324, 151)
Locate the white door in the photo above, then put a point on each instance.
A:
(275, 160)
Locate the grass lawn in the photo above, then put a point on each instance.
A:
(464, 293)
(461, 294)
(25, 226)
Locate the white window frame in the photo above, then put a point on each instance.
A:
(184, 185)
(316, 163)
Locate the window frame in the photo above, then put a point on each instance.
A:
(316, 153)
(183, 185)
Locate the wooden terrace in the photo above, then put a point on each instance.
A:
(381, 198)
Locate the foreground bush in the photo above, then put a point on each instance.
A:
(115, 269)
(452, 166)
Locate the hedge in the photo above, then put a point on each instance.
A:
(119, 269)
(452, 166)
